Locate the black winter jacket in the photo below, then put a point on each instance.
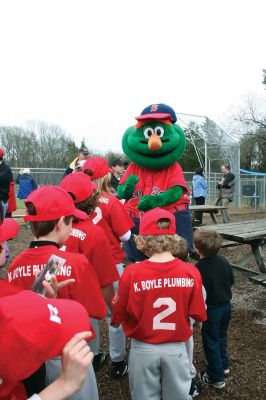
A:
(6, 177)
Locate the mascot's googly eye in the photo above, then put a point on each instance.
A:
(148, 132)
(159, 131)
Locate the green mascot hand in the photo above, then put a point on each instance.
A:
(159, 200)
(126, 191)
(146, 203)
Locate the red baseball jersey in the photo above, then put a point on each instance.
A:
(153, 182)
(91, 240)
(86, 289)
(155, 300)
(6, 289)
(112, 217)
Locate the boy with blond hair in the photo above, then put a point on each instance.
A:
(154, 301)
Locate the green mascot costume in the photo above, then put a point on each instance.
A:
(154, 178)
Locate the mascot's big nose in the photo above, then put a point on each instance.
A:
(154, 142)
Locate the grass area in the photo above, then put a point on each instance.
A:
(20, 204)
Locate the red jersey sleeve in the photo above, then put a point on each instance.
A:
(98, 251)
(120, 219)
(126, 174)
(197, 307)
(176, 177)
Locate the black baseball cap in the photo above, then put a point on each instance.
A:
(118, 161)
(84, 150)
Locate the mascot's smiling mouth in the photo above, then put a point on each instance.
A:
(155, 155)
(143, 141)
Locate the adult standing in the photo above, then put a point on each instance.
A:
(6, 177)
(226, 187)
(118, 167)
(200, 192)
(83, 155)
(26, 184)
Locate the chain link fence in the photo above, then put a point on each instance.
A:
(250, 190)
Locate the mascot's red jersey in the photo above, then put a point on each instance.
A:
(152, 182)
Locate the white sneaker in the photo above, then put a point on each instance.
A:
(227, 371)
(207, 381)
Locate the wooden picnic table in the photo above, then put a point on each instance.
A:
(252, 233)
(208, 209)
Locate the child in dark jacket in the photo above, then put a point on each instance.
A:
(26, 184)
(217, 278)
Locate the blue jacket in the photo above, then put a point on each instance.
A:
(200, 186)
(26, 185)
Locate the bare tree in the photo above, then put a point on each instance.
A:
(39, 144)
(253, 117)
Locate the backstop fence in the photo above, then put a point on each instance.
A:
(250, 190)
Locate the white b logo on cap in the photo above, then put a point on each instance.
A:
(54, 314)
(154, 107)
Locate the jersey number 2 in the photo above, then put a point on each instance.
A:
(171, 308)
(98, 215)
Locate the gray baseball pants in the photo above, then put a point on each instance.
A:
(89, 390)
(117, 337)
(159, 371)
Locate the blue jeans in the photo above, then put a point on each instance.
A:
(214, 338)
(183, 228)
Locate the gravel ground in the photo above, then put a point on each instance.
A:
(247, 334)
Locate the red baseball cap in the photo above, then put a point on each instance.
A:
(79, 185)
(34, 329)
(52, 202)
(149, 220)
(8, 229)
(98, 166)
(2, 153)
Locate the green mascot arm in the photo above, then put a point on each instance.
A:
(162, 199)
(126, 190)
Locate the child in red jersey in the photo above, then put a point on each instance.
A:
(115, 221)
(91, 240)
(50, 211)
(17, 337)
(87, 238)
(110, 214)
(155, 299)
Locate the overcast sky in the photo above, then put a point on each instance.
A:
(92, 66)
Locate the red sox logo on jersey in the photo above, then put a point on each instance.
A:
(156, 190)
(154, 107)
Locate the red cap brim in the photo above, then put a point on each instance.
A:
(49, 217)
(80, 215)
(9, 229)
(154, 116)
